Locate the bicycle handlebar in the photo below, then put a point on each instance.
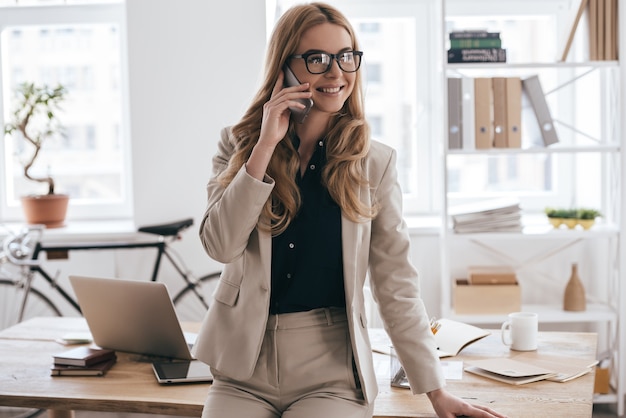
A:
(19, 248)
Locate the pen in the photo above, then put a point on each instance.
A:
(434, 325)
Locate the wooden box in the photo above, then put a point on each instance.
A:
(491, 275)
(602, 382)
(486, 299)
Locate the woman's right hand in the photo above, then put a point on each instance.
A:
(276, 111)
(274, 124)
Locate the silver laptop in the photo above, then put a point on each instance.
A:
(138, 317)
(133, 316)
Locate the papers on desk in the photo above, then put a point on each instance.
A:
(566, 368)
(509, 371)
(528, 367)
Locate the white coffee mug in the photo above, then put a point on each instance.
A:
(520, 331)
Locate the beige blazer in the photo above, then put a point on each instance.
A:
(233, 329)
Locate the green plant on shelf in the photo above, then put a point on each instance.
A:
(588, 213)
(571, 217)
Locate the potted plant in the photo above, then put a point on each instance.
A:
(34, 119)
(559, 216)
(554, 216)
(570, 217)
(587, 217)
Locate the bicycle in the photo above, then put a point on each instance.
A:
(20, 300)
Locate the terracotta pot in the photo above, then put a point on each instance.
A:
(49, 210)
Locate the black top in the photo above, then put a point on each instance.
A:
(307, 265)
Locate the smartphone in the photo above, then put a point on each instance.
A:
(299, 115)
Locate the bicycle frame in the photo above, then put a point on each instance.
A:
(160, 245)
(24, 250)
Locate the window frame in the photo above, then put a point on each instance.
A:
(75, 15)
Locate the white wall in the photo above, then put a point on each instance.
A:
(193, 67)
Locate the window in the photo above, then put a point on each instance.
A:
(81, 47)
(400, 81)
(403, 43)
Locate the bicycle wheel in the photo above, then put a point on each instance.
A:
(193, 301)
(11, 295)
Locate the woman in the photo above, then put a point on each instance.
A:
(298, 213)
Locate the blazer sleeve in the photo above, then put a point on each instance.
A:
(395, 284)
(234, 211)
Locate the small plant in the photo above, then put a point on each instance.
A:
(588, 213)
(569, 214)
(584, 217)
(34, 118)
(560, 213)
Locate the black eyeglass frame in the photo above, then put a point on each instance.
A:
(335, 57)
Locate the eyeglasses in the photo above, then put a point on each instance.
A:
(320, 62)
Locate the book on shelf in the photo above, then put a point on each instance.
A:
(83, 356)
(97, 369)
(473, 34)
(498, 88)
(499, 218)
(476, 43)
(483, 113)
(602, 29)
(593, 30)
(455, 103)
(573, 26)
(494, 215)
(467, 55)
(511, 226)
(534, 93)
(482, 208)
(467, 114)
(513, 112)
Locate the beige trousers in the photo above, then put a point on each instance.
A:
(305, 370)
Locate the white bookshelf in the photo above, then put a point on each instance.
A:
(606, 305)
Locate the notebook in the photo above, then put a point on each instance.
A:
(133, 316)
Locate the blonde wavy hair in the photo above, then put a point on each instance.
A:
(347, 141)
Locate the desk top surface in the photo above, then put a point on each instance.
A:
(26, 356)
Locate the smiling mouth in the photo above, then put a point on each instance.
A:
(330, 90)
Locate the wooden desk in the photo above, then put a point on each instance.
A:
(26, 356)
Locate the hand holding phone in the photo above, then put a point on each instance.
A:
(299, 115)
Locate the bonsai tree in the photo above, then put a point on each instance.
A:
(34, 117)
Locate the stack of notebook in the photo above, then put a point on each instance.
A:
(83, 361)
(497, 215)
